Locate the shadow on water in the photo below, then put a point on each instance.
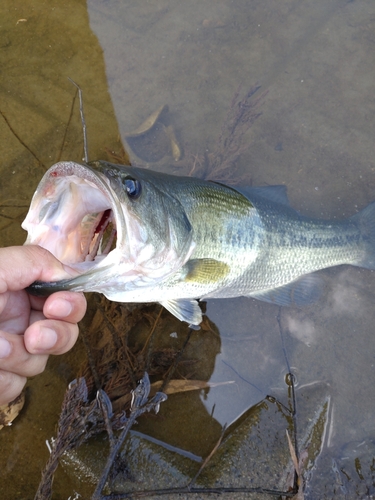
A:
(316, 60)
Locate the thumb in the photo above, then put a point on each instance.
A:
(22, 265)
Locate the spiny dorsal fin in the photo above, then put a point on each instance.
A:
(276, 194)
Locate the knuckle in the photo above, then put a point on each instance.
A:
(11, 386)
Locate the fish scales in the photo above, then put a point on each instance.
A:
(181, 238)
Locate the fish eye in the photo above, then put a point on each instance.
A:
(132, 187)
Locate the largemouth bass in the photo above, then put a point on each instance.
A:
(141, 236)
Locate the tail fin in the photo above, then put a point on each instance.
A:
(365, 220)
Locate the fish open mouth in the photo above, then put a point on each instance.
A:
(74, 214)
(101, 235)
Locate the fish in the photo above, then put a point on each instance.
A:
(140, 236)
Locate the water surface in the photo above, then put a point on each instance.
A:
(316, 59)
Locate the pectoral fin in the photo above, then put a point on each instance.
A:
(205, 271)
(304, 291)
(185, 310)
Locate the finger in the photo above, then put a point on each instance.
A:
(21, 266)
(69, 306)
(50, 337)
(11, 386)
(15, 317)
(16, 359)
(36, 303)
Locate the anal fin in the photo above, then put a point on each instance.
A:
(303, 291)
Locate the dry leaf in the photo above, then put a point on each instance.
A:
(175, 386)
(11, 410)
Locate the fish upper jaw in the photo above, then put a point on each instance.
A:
(73, 214)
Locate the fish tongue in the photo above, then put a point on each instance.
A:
(98, 235)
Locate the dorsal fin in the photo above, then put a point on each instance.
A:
(276, 194)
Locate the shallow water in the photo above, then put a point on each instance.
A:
(316, 59)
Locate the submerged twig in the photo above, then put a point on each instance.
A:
(185, 490)
(106, 407)
(243, 378)
(176, 360)
(149, 342)
(83, 121)
(70, 117)
(208, 458)
(293, 411)
(79, 418)
(140, 404)
(21, 141)
(230, 146)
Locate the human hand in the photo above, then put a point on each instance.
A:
(31, 328)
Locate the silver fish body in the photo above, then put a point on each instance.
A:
(178, 239)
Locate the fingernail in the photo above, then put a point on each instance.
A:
(47, 339)
(61, 308)
(5, 348)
